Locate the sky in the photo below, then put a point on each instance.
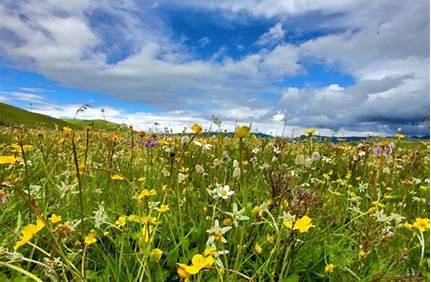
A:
(351, 67)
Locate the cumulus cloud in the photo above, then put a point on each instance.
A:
(65, 47)
(373, 105)
(383, 45)
(274, 35)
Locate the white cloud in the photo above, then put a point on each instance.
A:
(279, 117)
(274, 35)
(66, 48)
(384, 45)
(375, 105)
(204, 41)
(271, 8)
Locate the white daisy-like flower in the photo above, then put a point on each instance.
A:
(237, 215)
(199, 169)
(216, 233)
(224, 192)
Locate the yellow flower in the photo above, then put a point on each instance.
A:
(121, 221)
(423, 224)
(408, 225)
(55, 218)
(149, 219)
(270, 239)
(163, 208)
(399, 136)
(329, 267)
(198, 262)
(196, 128)
(182, 273)
(117, 177)
(256, 210)
(145, 193)
(27, 233)
(209, 251)
(16, 148)
(242, 131)
(201, 261)
(142, 179)
(310, 131)
(9, 159)
(363, 254)
(90, 239)
(67, 130)
(302, 224)
(258, 248)
(113, 137)
(156, 254)
(227, 221)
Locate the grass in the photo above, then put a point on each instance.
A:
(14, 116)
(10, 115)
(133, 207)
(98, 124)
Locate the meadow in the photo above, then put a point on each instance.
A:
(94, 205)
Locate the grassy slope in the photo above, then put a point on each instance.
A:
(96, 123)
(10, 115)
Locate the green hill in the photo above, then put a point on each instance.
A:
(95, 123)
(10, 115)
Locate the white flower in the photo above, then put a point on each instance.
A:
(220, 191)
(265, 166)
(185, 140)
(100, 216)
(224, 192)
(207, 147)
(181, 177)
(308, 162)
(65, 188)
(236, 172)
(397, 218)
(216, 233)
(237, 215)
(315, 156)
(382, 217)
(235, 163)
(197, 143)
(217, 162)
(417, 181)
(299, 160)
(199, 169)
(362, 187)
(216, 255)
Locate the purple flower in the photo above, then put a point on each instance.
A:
(380, 151)
(150, 143)
(377, 151)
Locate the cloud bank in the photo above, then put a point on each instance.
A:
(127, 49)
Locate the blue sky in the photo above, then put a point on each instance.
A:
(349, 68)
